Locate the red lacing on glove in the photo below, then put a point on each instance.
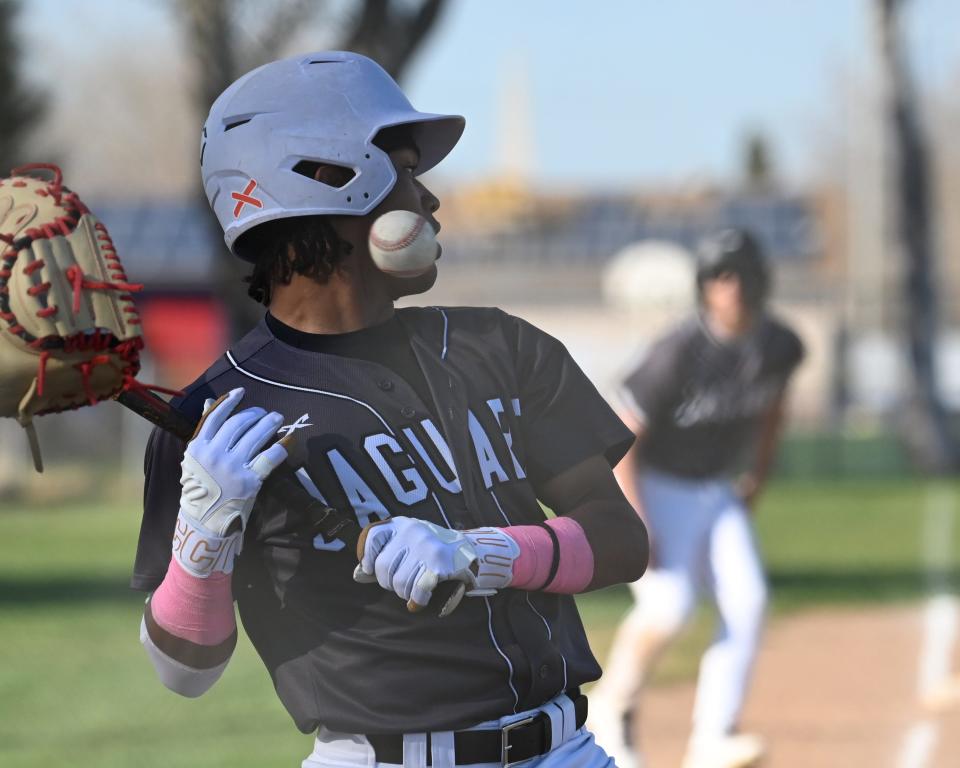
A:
(35, 290)
(80, 281)
(42, 371)
(62, 196)
(127, 351)
(107, 348)
(86, 368)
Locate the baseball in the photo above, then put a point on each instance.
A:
(403, 244)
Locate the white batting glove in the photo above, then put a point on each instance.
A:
(411, 557)
(496, 552)
(223, 470)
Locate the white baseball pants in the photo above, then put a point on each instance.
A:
(703, 544)
(573, 748)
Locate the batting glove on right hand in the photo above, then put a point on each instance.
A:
(223, 470)
(411, 557)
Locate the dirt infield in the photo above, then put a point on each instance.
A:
(832, 688)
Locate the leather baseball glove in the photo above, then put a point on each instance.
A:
(69, 331)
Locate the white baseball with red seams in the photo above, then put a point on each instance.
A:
(403, 244)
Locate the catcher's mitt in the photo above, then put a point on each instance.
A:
(69, 331)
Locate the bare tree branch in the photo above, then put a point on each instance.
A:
(927, 433)
(418, 27)
(210, 37)
(366, 37)
(391, 36)
(268, 41)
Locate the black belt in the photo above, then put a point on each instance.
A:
(512, 744)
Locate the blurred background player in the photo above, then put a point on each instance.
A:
(706, 399)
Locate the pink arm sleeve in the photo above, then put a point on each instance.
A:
(194, 609)
(532, 567)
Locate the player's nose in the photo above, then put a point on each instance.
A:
(430, 201)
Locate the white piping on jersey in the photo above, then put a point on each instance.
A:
(443, 514)
(550, 637)
(369, 407)
(497, 502)
(443, 354)
(542, 618)
(516, 696)
(280, 384)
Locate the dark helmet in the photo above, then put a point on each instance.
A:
(737, 251)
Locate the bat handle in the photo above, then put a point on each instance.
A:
(447, 596)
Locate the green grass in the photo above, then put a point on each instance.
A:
(76, 688)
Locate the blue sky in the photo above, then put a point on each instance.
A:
(626, 90)
(621, 92)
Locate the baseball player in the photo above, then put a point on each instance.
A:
(442, 429)
(706, 399)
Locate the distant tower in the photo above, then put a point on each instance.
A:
(515, 145)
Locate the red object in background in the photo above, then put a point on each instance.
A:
(183, 335)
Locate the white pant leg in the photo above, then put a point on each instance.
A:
(739, 588)
(679, 516)
(680, 519)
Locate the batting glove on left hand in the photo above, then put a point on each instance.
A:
(223, 469)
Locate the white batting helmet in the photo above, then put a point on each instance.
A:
(320, 108)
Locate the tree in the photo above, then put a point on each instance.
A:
(926, 428)
(226, 38)
(758, 170)
(22, 106)
(391, 32)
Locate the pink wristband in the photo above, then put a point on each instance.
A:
(195, 609)
(532, 566)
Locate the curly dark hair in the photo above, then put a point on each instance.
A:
(279, 249)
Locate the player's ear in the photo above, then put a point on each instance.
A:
(335, 176)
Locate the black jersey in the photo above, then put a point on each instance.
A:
(509, 409)
(700, 399)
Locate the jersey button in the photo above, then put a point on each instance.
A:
(544, 671)
(385, 384)
(407, 412)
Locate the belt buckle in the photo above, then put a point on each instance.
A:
(505, 745)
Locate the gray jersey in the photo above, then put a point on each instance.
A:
(493, 411)
(701, 399)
